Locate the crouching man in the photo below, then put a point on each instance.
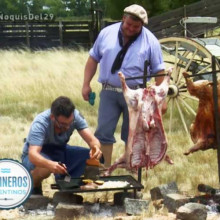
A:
(46, 150)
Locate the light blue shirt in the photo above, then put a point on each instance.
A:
(42, 130)
(146, 47)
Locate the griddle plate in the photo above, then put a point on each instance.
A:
(75, 183)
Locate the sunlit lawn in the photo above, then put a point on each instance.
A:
(30, 81)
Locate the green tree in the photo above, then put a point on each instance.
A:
(114, 8)
(68, 8)
(81, 8)
(11, 7)
(179, 3)
(36, 6)
(23, 6)
(56, 7)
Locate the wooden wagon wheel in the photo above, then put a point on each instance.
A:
(184, 54)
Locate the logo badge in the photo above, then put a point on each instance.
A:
(15, 184)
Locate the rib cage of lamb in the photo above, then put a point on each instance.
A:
(147, 143)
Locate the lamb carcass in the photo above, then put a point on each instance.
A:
(202, 130)
(147, 143)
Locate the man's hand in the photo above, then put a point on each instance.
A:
(85, 92)
(95, 152)
(38, 160)
(93, 142)
(57, 167)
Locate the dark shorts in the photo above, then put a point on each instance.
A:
(73, 157)
(112, 105)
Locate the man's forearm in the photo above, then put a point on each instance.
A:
(37, 159)
(92, 141)
(159, 79)
(90, 70)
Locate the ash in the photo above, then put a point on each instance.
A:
(95, 209)
(213, 208)
(49, 211)
(103, 209)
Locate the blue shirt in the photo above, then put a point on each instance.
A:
(145, 47)
(42, 130)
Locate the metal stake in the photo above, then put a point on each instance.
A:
(144, 86)
(216, 115)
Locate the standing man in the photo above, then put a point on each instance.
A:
(124, 46)
(46, 151)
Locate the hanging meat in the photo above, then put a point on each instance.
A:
(202, 130)
(147, 143)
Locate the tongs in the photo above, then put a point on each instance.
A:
(67, 178)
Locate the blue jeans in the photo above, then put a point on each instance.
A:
(73, 157)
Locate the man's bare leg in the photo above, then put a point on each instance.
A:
(107, 154)
(39, 174)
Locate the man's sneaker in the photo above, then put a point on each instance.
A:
(37, 191)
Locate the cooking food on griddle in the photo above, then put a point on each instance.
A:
(114, 184)
(87, 181)
(99, 182)
(89, 186)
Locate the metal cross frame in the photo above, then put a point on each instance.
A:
(144, 77)
(215, 98)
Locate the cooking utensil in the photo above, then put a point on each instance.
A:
(67, 178)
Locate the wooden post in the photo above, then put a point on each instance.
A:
(61, 33)
(96, 19)
(91, 36)
(185, 28)
(92, 11)
(27, 34)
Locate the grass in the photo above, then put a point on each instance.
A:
(30, 81)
